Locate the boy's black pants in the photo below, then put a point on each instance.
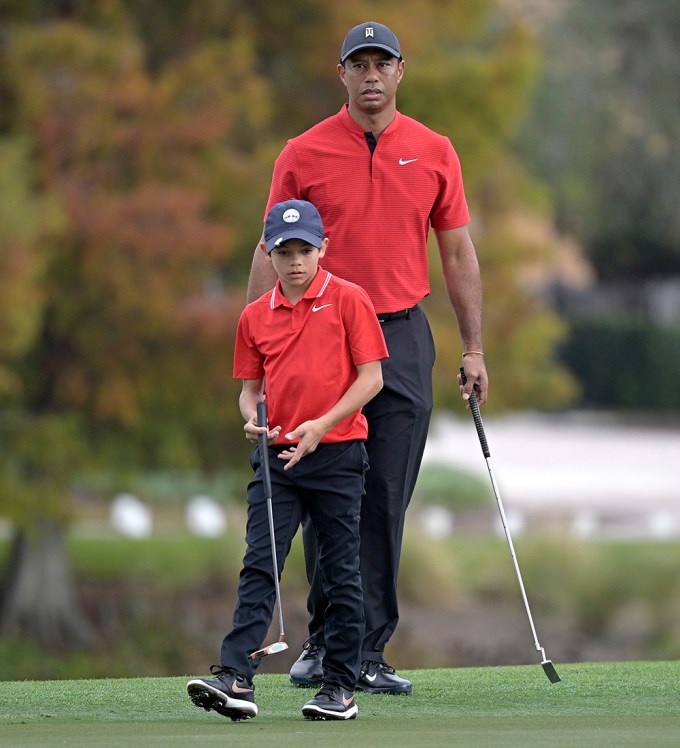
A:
(328, 485)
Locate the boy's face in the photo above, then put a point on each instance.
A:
(296, 263)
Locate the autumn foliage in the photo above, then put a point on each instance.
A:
(136, 144)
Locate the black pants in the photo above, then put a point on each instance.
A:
(328, 485)
(398, 421)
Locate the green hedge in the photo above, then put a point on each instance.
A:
(624, 362)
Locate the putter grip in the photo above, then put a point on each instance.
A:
(476, 417)
(264, 447)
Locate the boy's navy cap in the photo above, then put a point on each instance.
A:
(370, 35)
(293, 219)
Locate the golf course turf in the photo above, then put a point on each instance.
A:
(619, 704)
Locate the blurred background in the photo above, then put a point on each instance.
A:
(137, 139)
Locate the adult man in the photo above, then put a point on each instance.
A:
(380, 180)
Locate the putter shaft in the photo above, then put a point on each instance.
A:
(548, 666)
(279, 646)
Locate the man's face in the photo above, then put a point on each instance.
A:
(371, 77)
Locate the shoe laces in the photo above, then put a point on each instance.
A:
(329, 690)
(383, 666)
(311, 651)
(222, 673)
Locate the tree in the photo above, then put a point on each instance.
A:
(143, 133)
(26, 222)
(604, 132)
(126, 360)
(38, 593)
(471, 72)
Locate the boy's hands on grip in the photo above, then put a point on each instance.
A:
(309, 433)
(253, 431)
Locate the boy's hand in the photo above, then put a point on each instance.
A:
(310, 434)
(253, 431)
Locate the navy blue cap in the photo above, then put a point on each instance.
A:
(370, 35)
(293, 219)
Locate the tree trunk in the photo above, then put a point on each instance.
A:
(38, 594)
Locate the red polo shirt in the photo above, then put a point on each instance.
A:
(309, 352)
(376, 209)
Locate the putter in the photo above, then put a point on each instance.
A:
(548, 667)
(280, 645)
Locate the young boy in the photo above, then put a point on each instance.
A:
(317, 342)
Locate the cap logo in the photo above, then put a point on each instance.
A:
(291, 216)
(369, 32)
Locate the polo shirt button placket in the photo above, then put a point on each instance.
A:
(296, 319)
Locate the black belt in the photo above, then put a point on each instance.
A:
(396, 315)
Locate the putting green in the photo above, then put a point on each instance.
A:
(434, 733)
(619, 704)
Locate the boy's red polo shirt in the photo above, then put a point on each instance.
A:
(309, 352)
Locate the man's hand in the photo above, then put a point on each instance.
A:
(476, 378)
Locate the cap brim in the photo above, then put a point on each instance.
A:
(284, 236)
(384, 47)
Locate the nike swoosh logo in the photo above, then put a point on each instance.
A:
(403, 162)
(347, 701)
(371, 678)
(238, 689)
(319, 308)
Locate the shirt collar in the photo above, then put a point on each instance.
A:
(315, 290)
(356, 128)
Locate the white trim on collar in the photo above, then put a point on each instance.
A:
(272, 298)
(325, 283)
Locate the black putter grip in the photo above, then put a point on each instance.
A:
(476, 416)
(264, 448)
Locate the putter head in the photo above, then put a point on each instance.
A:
(550, 671)
(271, 650)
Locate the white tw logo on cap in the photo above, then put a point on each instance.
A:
(291, 216)
(369, 32)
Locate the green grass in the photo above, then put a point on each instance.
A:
(619, 704)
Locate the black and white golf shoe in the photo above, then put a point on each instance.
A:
(307, 670)
(332, 702)
(378, 677)
(229, 693)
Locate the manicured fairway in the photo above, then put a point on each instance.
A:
(617, 704)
